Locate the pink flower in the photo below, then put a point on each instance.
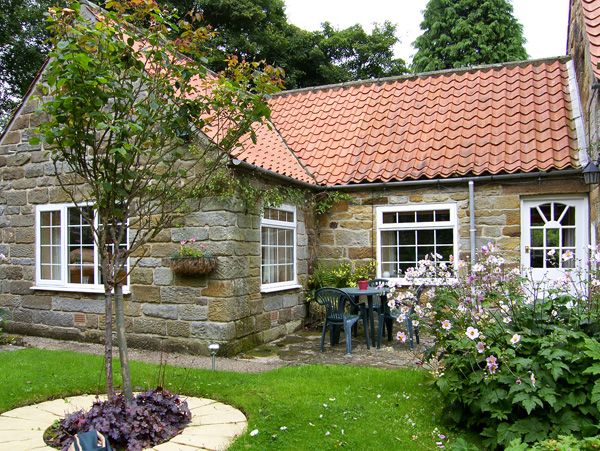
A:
(480, 347)
(202, 245)
(446, 325)
(192, 240)
(183, 242)
(401, 336)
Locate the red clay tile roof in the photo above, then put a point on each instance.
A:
(497, 119)
(591, 14)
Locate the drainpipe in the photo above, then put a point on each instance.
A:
(472, 218)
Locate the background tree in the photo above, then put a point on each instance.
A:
(460, 33)
(258, 30)
(123, 103)
(253, 30)
(22, 49)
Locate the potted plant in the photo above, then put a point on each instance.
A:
(192, 259)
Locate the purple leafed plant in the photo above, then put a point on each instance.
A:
(153, 417)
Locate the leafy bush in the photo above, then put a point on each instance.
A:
(339, 275)
(152, 417)
(562, 443)
(513, 357)
(3, 313)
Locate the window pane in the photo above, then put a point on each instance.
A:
(425, 216)
(537, 258)
(425, 236)
(390, 218)
(389, 238)
(406, 216)
(442, 215)
(537, 238)
(407, 237)
(445, 236)
(569, 217)
(552, 238)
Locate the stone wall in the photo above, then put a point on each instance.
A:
(349, 230)
(579, 49)
(163, 310)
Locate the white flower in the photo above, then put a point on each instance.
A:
(570, 305)
(554, 313)
(478, 267)
(254, 432)
(567, 255)
(595, 282)
(551, 252)
(472, 333)
(507, 319)
(515, 339)
(446, 325)
(283, 428)
(416, 323)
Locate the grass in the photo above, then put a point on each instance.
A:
(321, 407)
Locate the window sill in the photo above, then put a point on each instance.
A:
(268, 289)
(93, 290)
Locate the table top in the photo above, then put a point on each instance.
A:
(355, 291)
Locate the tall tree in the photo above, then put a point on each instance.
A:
(22, 49)
(121, 104)
(461, 33)
(258, 30)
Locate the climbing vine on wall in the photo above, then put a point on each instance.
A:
(256, 196)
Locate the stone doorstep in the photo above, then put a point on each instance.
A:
(213, 427)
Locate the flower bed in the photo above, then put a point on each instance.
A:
(514, 358)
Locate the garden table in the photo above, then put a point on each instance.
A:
(369, 293)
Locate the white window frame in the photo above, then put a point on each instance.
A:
(269, 287)
(381, 227)
(62, 284)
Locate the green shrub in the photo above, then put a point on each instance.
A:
(339, 275)
(562, 443)
(513, 358)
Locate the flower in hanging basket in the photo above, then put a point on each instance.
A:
(192, 260)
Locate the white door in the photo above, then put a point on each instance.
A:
(552, 227)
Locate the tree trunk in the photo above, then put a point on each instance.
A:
(108, 349)
(122, 343)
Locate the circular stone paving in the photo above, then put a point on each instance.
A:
(214, 425)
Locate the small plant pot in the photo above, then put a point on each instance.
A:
(363, 284)
(193, 265)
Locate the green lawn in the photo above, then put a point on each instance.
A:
(316, 407)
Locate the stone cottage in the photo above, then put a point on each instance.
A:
(435, 162)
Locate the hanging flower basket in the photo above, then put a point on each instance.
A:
(193, 265)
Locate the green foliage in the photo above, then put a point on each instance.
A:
(258, 30)
(463, 33)
(339, 275)
(514, 358)
(23, 49)
(3, 314)
(373, 407)
(191, 250)
(256, 197)
(562, 443)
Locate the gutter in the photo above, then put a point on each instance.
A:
(427, 182)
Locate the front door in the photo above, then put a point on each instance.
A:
(553, 228)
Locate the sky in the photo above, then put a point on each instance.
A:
(544, 21)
